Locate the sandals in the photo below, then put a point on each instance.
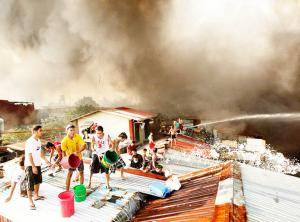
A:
(32, 207)
(58, 170)
(108, 188)
(39, 198)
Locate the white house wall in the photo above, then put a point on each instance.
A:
(112, 124)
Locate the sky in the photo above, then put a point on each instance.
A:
(211, 58)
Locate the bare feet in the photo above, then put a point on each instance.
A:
(7, 199)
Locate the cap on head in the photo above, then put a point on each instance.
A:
(70, 126)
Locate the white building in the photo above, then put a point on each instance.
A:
(135, 123)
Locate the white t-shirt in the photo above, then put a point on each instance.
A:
(101, 145)
(18, 176)
(33, 146)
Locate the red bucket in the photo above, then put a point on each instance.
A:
(66, 200)
(71, 161)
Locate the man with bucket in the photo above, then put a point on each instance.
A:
(100, 144)
(104, 158)
(73, 143)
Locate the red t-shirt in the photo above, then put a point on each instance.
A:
(151, 145)
(56, 144)
(130, 147)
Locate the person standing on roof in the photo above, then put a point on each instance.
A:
(33, 156)
(180, 124)
(73, 143)
(100, 144)
(87, 139)
(177, 126)
(172, 133)
(151, 142)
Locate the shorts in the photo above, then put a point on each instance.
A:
(173, 137)
(23, 187)
(119, 164)
(33, 179)
(97, 167)
(80, 168)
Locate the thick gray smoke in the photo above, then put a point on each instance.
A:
(200, 57)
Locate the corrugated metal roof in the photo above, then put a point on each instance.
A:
(142, 114)
(189, 159)
(49, 209)
(270, 196)
(208, 194)
(52, 186)
(195, 201)
(188, 144)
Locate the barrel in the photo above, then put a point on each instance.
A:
(71, 161)
(110, 157)
(80, 193)
(66, 200)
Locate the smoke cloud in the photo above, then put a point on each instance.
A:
(207, 58)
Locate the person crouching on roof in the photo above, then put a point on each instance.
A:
(55, 150)
(120, 164)
(158, 170)
(18, 178)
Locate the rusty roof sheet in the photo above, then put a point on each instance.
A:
(196, 200)
(188, 144)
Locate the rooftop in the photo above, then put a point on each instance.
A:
(126, 112)
(211, 191)
(202, 197)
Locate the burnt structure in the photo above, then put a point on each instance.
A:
(17, 113)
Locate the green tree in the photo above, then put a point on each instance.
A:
(83, 106)
(86, 101)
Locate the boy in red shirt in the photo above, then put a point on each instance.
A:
(131, 147)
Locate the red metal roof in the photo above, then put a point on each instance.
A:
(138, 112)
(124, 110)
(185, 143)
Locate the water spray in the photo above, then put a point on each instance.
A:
(277, 116)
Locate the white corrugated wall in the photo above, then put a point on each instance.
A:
(112, 124)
